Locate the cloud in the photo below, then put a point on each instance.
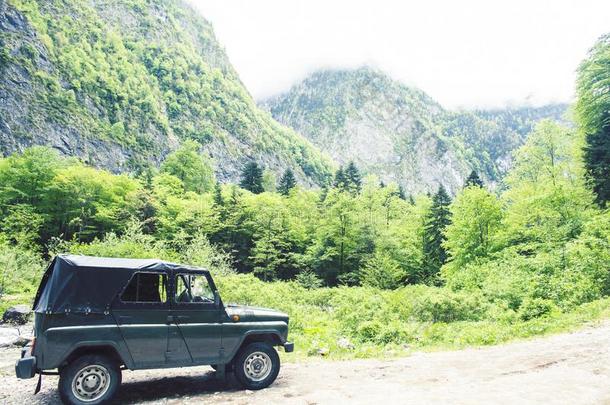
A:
(463, 53)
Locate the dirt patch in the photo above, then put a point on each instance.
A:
(569, 368)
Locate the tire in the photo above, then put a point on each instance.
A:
(257, 366)
(97, 376)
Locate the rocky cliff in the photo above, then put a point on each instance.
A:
(121, 83)
(400, 133)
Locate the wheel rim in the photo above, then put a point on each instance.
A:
(258, 366)
(91, 383)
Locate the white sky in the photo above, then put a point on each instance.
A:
(463, 53)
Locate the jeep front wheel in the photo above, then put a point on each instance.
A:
(90, 379)
(257, 365)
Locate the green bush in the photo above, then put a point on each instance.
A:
(20, 273)
(535, 308)
(438, 305)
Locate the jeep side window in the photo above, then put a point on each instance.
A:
(146, 287)
(193, 288)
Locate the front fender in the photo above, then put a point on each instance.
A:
(235, 334)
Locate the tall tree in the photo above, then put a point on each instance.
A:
(252, 178)
(287, 182)
(353, 177)
(476, 215)
(193, 169)
(340, 180)
(473, 180)
(218, 199)
(593, 112)
(401, 193)
(437, 220)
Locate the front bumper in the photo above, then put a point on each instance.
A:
(25, 367)
(288, 347)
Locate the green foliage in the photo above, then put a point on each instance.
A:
(473, 179)
(269, 181)
(252, 178)
(191, 167)
(437, 220)
(381, 271)
(144, 95)
(476, 215)
(548, 202)
(5, 55)
(287, 182)
(348, 179)
(535, 308)
(593, 110)
(20, 273)
(308, 279)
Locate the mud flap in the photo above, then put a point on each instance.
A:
(221, 374)
(37, 390)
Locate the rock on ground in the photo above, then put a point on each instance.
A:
(18, 315)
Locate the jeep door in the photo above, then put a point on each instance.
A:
(141, 311)
(197, 315)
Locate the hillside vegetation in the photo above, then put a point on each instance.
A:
(120, 84)
(400, 133)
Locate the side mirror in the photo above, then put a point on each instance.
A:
(216, 298)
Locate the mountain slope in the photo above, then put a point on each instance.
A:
(122, 83)
(400, 133)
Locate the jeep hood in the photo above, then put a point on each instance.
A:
(255, 314)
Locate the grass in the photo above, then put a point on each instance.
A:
(386, 324)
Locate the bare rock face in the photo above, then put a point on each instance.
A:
(17, 315)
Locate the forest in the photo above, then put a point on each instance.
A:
(355, 259)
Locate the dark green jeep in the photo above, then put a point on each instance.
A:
(96, 316)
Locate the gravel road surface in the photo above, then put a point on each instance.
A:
(572, 368)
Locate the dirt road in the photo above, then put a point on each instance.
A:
(571, 368)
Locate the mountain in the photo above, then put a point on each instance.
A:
(400, 133)
(120, 84)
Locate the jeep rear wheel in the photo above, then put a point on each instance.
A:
(90, 379)
(257, 365)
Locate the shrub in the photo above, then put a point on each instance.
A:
(20, 272)
(308, 279)
(381, 271)
(535, 308)
(444, 306)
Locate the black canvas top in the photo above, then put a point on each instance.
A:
(88, 284)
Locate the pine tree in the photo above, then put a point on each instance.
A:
(353, 178)
(218, 200)
(593, 113)
(597, 162)
(401, 193)
(252, 178)
(323, 194)
(473, 180)
(340, 180)
(287, 182)
(437, 220)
